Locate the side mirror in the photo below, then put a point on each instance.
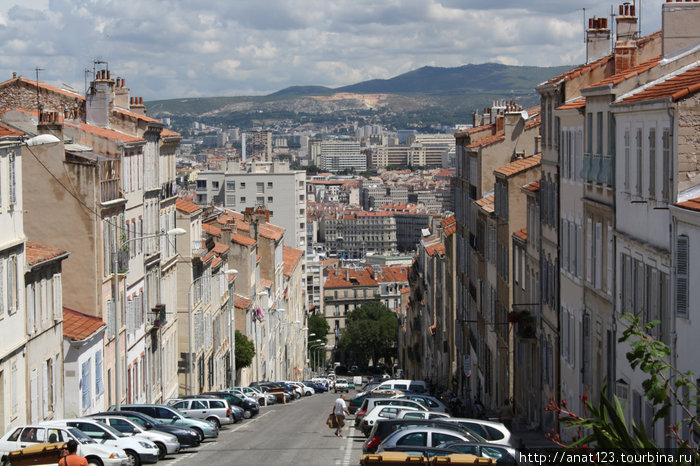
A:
(106, 436)
(148, 425)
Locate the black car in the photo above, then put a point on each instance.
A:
(250, 408)
(382, 428)
(187, 437)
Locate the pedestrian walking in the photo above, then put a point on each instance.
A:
(340, 410)
(505, 415)
(72, 458)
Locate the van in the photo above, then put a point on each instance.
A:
(416, 386)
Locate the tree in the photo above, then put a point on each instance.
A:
(318, 326)
(245, 350)
(371, 332)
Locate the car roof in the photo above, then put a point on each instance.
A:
(484, 422)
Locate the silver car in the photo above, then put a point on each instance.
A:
(492, 431)
(422, 436)
(214, 410)
(167, 443)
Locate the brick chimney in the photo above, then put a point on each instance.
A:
(100, 100)
(50, 122)
(121, 94)
(513, 121)
(680, 26)
(626, 44)
(597, 38)
(136, 105)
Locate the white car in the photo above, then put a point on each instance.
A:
(492, 431)
(96, 454)
(138, 450)
(422, 415)
(341, 385)
(382, 412)
(167, 443)
(307, 391)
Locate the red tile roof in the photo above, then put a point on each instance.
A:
(291, 257)
(7, 131)
(43, 85)
(243, 240)
(449, 225)
(675, 88)
(220, 248)
(270, 231)
(38, 253)
(435, 249)
(79, 326)
(519, 166)
(136, 115)
(343, 278)
(242, 302)
(186, 206)
(533, 187)
(216, 261)
(576, 103)
(628, 73)
(690, 204)
(578, 71)
(486, 203)
(211, 230)
(168, 133)
(104, 132)
(522, 234)
(488, 141)
(476, 129)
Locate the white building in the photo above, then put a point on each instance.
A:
(342, 155)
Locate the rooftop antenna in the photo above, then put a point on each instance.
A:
(38, 102)
(639, 16)
(612, 21)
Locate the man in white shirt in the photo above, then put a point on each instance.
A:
(340, 410)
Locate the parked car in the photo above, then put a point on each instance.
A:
(422, 415)
(341, 385)
(254, 394)
(421, 436)
(139, 450)
(503, 454)
(167, 443)
(369, 403)
(384, 427)
(430, 402)
(416, 386)
(237, 413)
(492, 431)
(187, 437)
(305, 389)
(168, 415)
(248, 406)
(96, 454)
(318, 387)
(382, 412)
(215, 410)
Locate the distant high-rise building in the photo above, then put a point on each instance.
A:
(342, 155)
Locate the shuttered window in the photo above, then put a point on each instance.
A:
(85, 385)
(99, 385)
(682, 247)
(13, 177)
(589, 248)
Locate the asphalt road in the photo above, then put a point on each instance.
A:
(287, 434)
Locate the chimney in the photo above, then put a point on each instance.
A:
(597, 38)
(513, 122)
(626, 45)
(679, 24)
(100, 100)
(50, 122)
(121, 94)
(137, 106)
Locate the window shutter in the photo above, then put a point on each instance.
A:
(610, 260)
(56, 374)
(10, 286)
(565, 243)
(2, 291)
(99, 386)
(85, 385)
(13, 177)
(682, 247)
(589, 248)
(34, 396)
(44, 390)
(58, 297)
(599, 255)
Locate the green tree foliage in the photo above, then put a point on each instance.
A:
(319, 327)
(245, 350)
(371, 332)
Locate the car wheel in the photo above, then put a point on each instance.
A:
(247, 414)
(308, 394)
(200, 434)
(214, 421)
(162, 451)
(94, 461)
(133, 458)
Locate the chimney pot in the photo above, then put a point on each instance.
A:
(108, 74)
(622, 10)
(590, 23)
(631, 10)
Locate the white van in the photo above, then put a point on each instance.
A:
(416, 386)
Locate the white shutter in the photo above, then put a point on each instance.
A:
(45, 390)
(2, 282)
(610, 260)
(565, 243)
(13, 178)
(682, 247)
(599, 255)
(589, 248)
(34, 396)
(57, 385)
(30, 309)
(58, 297)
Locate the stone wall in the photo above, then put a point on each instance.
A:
(19, 93)
(688, 142)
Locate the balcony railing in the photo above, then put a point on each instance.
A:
(586, 167)
(109, 190)
(606, 170)
(598, 169)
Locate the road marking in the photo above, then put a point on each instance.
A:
(348, 447)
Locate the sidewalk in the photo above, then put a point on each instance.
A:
(532, 438)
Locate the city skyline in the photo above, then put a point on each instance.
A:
(176, 50)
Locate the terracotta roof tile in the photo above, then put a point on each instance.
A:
(533, 187)
(291, 257)
(43, 85)
(38, 253)
(186, 206)
(519, 166)
(79, 326)
(265, 283)
(7, 131)
(104, 132)
(476, 129)
(486, 203)
(405, 290)
(242, 302)
(488, 141)
(211, 230)
(243, 240)
(449, 225)
(578, 71)
(522, 234)
(435, 249)
(579, 102)
(168, 133)
(628, 73)
(676, 88)
(138, 116)
(691, 204)
(216, 261)
(220, 248)
(270, 231)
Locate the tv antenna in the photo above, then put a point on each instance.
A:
(38, 101)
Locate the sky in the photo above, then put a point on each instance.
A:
(184, 48)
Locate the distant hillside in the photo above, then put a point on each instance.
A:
(428, 95)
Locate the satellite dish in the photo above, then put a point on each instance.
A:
(524, 114)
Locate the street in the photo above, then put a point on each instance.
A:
(289, 434)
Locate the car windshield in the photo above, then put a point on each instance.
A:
(79, 436)
(112, 430)
(139, 421)
(143, 419)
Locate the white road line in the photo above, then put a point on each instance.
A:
(348, 447)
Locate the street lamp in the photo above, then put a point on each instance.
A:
(115, 318)
(190, 359)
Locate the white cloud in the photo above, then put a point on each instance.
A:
(171, 48)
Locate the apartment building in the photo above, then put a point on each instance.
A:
(356, 233)
(337, 155)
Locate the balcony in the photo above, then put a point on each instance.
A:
(168, 189)
(595, 169)
(586, 166)
(606, 170)
(109, 190)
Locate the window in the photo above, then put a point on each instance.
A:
(640, 161)
(652, 163)
(215, 184)
(99, 384)
(230, 186)
(12, 301)
(589, 136)
(599, 133)
(201, 184)
(269, 185)
(242, 184)
(260, 201)
(242, 199)
(259, 188)
(682, 278)
(666, 168)
(12, 176)
(269, 198)
(611, 134)
(627, 160)
(418, 439)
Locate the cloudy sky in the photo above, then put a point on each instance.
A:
(187, 48)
